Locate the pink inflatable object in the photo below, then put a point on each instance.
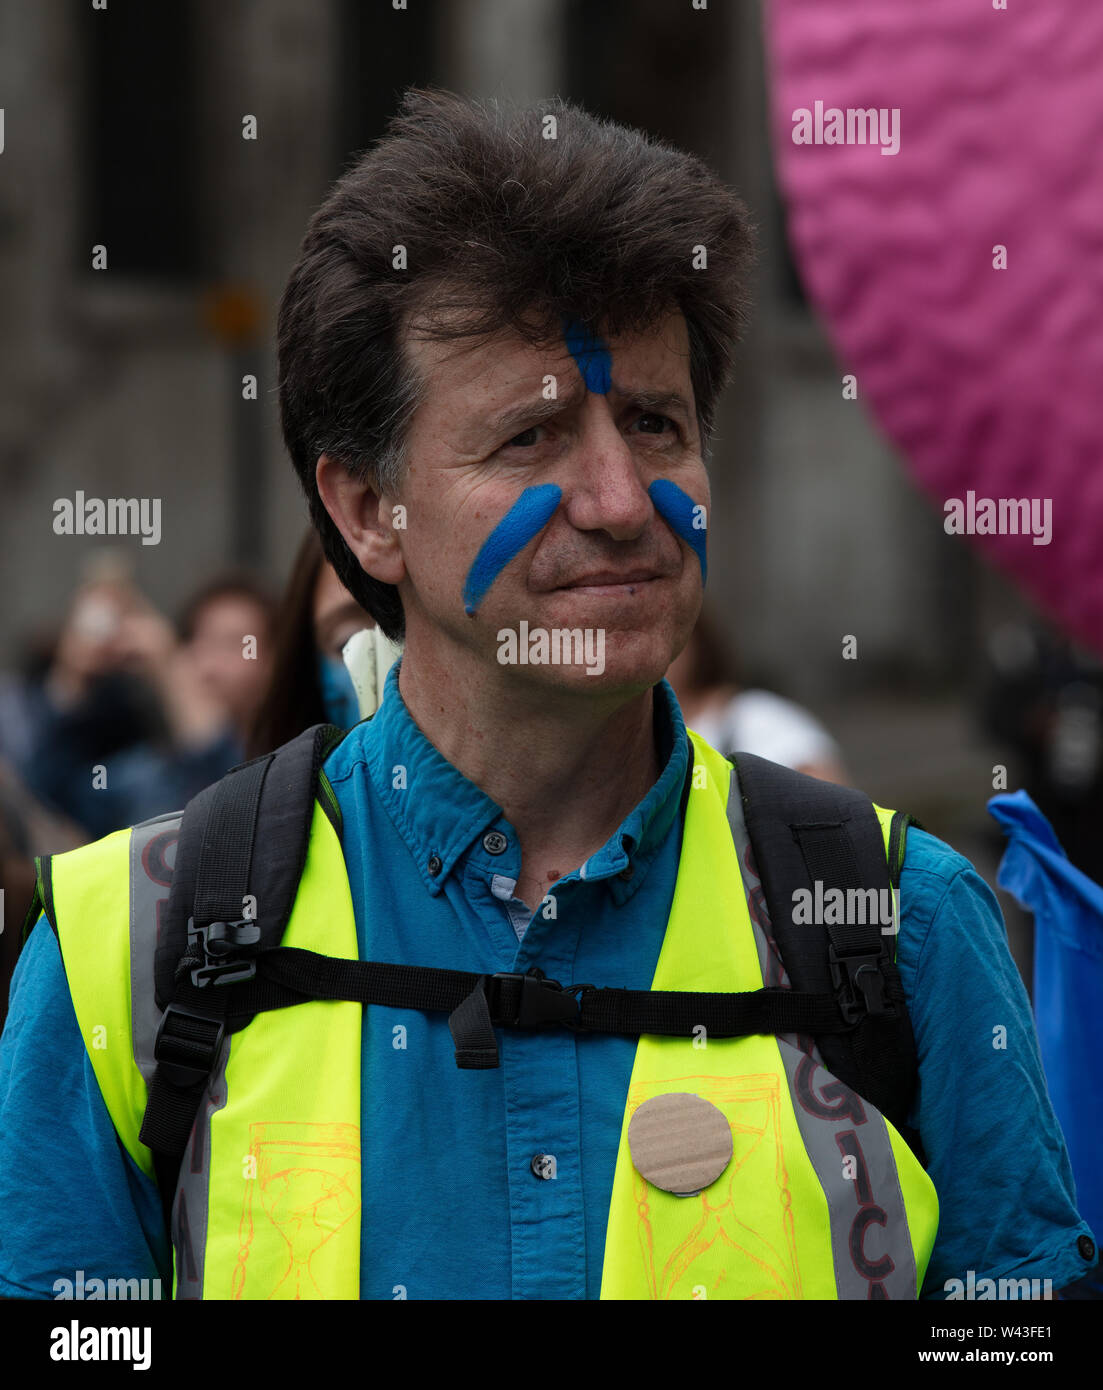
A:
(987, 380)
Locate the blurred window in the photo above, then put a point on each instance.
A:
(140, 135)
(381, 51)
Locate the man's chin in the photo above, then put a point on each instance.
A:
(610, 687)
(583, 660)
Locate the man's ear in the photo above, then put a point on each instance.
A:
(363, 519)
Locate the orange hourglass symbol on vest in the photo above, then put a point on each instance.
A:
(306, 1188)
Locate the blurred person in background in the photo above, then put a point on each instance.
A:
(750, 721)
(134, 717)
(309, 682)
(209, 679)
(23, 698)
(73, 704)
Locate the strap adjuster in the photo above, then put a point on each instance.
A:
(187, 1046)
(858, 976)
(223, 946)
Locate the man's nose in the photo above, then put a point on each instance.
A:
(606, 489)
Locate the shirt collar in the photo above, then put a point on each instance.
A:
(439, 812)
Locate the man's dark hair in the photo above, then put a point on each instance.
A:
(601, 224)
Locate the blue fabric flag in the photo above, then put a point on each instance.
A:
(1068, 983)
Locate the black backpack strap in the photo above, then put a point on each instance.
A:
(242, 840)
(803, 831)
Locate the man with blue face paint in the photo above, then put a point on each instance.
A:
(503, 446)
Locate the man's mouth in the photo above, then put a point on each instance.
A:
(611, 582)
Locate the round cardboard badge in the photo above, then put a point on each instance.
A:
(680, 1142)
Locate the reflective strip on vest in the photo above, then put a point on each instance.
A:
(798, 1049)
(152, 861)
(822, 1198)
(812, 1205)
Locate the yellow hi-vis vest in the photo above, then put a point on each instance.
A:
(822, 1197)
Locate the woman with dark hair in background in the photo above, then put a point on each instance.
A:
(309, 682)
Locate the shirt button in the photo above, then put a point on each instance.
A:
(1085, 1244)
(435, 864)
(543, 1165)
(494, 842)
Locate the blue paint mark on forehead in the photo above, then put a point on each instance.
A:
(526, 518)
(680, 512)
(592, 356)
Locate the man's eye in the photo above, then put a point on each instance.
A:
(660, 420)
(525, 439)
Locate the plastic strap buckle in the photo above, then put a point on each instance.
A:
(532, 1001)
(854, 976)
(219, 942)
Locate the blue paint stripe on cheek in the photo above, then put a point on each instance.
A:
(678, 508)
(526, 518)
(591, 355)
